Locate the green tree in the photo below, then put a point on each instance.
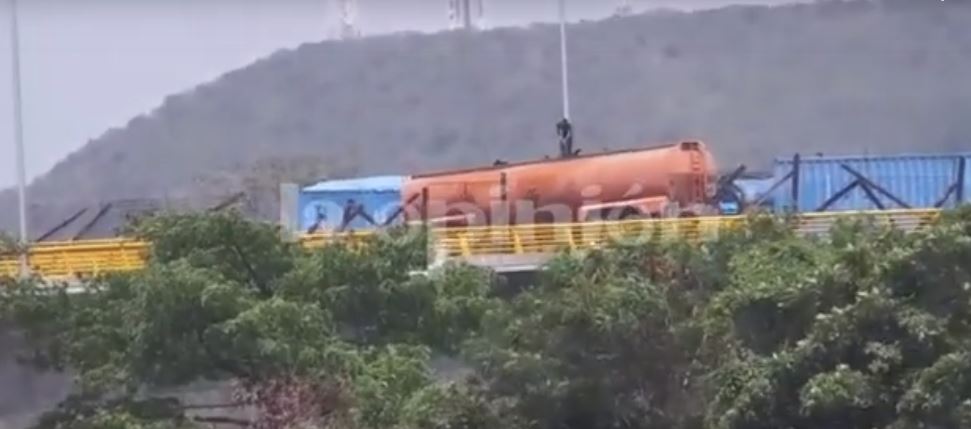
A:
(8, 244)
(595, 345)
(862, 327)
(866, 329)
(249, 253)
(225, 299)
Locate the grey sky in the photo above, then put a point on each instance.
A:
(91, 65)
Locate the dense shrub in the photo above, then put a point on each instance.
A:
(759, 328)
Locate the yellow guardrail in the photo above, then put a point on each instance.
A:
(525, 239)
(312, 241)
(90, 258)
(80, 259)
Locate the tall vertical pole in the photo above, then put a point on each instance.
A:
(962, 179)
(796, 172)
(19, 135)
(563, 62)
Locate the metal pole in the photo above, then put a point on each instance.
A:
(19, 136)
(796, 173)
(962, 178)
(563, 65)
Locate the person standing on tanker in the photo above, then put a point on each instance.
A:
(565, 131)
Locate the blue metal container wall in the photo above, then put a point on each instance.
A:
(328, 207)
(325, 203)
(919, 180)
(967, 180)
(753, 189)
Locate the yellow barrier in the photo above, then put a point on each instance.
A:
(80, 259)
(312, 241)
(520, 239)
(71, 260)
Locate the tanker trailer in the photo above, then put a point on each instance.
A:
(671, 180)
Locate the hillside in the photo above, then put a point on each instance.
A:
(754, 82)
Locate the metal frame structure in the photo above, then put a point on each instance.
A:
(956, 188)
(870, 188)
(792, 177)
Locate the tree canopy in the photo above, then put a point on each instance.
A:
(865, 327)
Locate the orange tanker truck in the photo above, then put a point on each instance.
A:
(671, 180)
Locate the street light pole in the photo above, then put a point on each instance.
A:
(563, 60)
(564, 128)
(19, 135)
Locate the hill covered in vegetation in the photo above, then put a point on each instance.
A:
(754, 82)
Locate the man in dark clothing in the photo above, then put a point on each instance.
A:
(565, 131)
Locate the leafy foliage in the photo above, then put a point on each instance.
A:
(8, 244)
(878, 317)
(865, 326)
(596, 351)
(226, 299)
(243, 252)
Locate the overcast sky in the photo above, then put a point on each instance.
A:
(91, 65)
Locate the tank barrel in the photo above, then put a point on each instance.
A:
(643, 182)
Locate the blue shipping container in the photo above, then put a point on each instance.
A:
(324, 203)
(921, 181)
